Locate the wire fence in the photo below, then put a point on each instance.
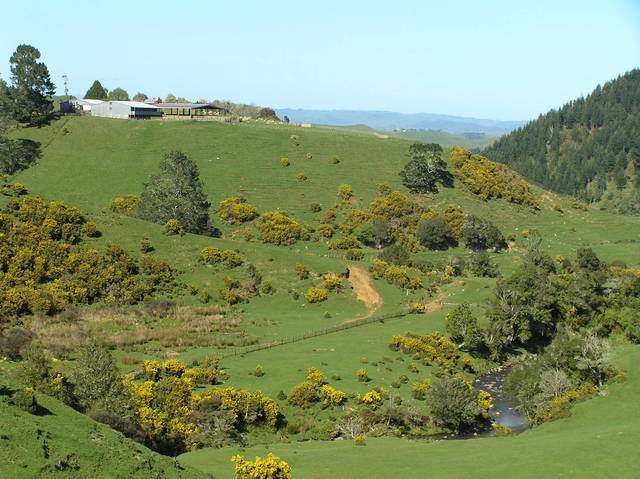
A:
(312, 334)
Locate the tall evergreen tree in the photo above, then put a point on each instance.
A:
(28, 99)
(96, 92)
(176, 193)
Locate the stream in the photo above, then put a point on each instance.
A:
(504, 410)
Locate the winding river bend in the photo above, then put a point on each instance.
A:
(504, 410)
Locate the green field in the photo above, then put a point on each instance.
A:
(598, 440)
(87, 162)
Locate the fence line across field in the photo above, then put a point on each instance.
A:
(313, 334)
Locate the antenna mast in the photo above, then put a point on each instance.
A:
(66, 89)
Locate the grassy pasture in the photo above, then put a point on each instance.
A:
(62, 443)
(89, 161)
(599, 439)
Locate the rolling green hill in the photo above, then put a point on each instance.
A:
(87, 162)
(62, 443)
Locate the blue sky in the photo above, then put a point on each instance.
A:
(493, 59)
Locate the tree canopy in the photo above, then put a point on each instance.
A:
(140, 97)
(176, 193)
(425, 169)
(96, 92)
(118, 94)
(28, 98)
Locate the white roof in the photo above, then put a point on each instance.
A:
(135, 104)
(89, 101)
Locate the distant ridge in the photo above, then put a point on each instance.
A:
(388, 120)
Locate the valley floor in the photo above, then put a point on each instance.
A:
(598, 440)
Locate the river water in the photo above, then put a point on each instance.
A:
(504, 410)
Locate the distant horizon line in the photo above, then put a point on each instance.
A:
(443, 115)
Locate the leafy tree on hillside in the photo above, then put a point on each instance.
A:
(28, 99)
(96, 92)
(435, 234)
(15, 154)
(140, 97)
(176, 193)
(453, 404)
(170, 98)
(481, 234)
(425, 169)
(462, 327)
(118, 94)
(96, 377)
(268, 114)
(395, 254)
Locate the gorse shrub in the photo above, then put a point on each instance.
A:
(236, 210)
(43, 274)
(354, 254)
(124, 204)
(316, 295)
(345, 192)
(270, 468)
(229, 258)
(346, 242)
(277, 228)
(304, 394)
(491, 180)
(173, 227)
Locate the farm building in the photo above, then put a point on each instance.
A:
(78, 105)
(84, 104)
(125, 109)
(189, 110)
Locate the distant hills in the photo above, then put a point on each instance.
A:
(388, 120)
(589, 148)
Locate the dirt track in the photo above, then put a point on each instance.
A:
(364, 289)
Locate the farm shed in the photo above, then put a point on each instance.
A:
(84, 104)
(125, 109)
(190, 110)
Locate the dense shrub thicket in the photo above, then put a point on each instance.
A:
(42, 270)
(488, 179)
